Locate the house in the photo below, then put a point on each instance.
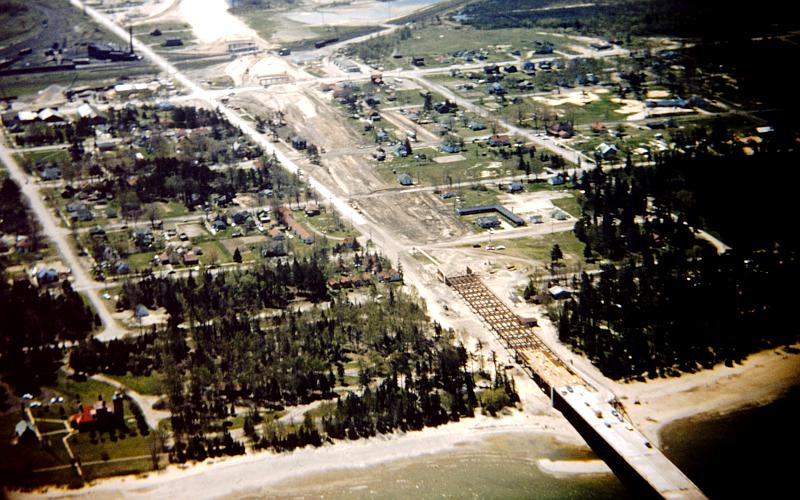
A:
(516, 187)
(25, 433)
(122, 267)
(491, 69)
(496, 89)
(49, 115)
(445, 107)
(390, 276)
(401, 150)
(50, 173)
(276, 234)
(509, 68)
(190, 259)
(172, 42)
(606, 151)
(379, 154)
(488, 221)
(140, 311)
(476, 125)
(240, 218)
(417, 61)
(46, 276)
(559, 292)
(299, 143)
(598, 128)
(273, 249)
(311, 209)
(373, 115)
(405, 180)
(559, 214)
(90, 114)
(450, 147)
(499, 140)
(529, 67)
(111, 213)
(536, 219)
(284, 51)
(381, 135)
(219, 225)
(100, 416)
(543, 47)
(556, 180)
(561, 130)
(84, 215)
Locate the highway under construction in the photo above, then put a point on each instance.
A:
(599, 419)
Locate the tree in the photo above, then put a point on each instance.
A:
(556, 254)
(237, 256)
(407, 144)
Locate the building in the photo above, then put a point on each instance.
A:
(499, 140)
(25, 433)
(606, 151)
(483, 209)
(559, 292)
(242, 47)
(516, 187)
(488, 221)
(417, 61)
(561, 130)
(450, 147)
(405, 180)
(172, 42)
(311, 209)
(298, 143)
(99, 415)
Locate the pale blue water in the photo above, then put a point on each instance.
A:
(501, 467)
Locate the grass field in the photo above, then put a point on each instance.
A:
(25, 84)
(150, 384)
(539, 248)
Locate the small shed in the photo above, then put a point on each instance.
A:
(405, 180)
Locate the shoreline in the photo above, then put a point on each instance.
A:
(761, 379)
(223, 477)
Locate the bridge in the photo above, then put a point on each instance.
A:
(601, 421)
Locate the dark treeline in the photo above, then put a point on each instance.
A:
(710, 19)
(116, 357)
(675, 304)
(35, 323)
(14, 216)
(231, 341)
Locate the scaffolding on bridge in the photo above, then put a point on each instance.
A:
(515, 334)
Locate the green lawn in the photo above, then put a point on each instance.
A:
(103, 445)
(142, 384)
(479, 162)
(328, 222)
(569, 205)
(538, 248)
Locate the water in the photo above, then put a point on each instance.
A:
(363, 13)
(501, 466)
(745, 454)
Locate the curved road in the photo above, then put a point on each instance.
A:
(59, 236)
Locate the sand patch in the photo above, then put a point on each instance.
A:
(577, 98)
(629, 106)
(569, 467)
(449, 159)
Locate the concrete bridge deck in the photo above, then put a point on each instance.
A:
(601, 422)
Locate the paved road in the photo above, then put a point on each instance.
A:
(59, 237)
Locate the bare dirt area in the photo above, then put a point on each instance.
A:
(416, 217)
(243, 244)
